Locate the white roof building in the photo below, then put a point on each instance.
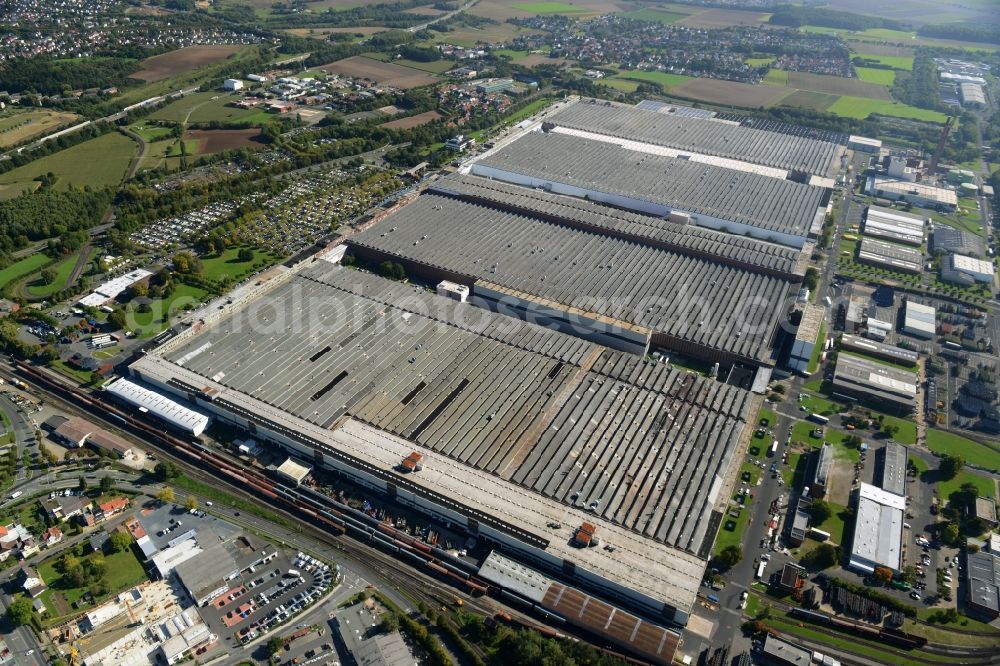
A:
(919, 320)
(964, 269)
(878, 529)
(919, 194)
(894, 226)
(160, 406)
(293, 471)
(110, 289)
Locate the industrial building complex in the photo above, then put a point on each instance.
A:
(508, 390)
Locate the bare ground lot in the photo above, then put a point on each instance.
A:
(730, 92)
(724, 18)
(360, 30)
(501, 10)
(383, 72)
(871, 48)
(412, 121)
(536, 59)
(837, 85)
(18, 127)
(183, 60)
(216, 141)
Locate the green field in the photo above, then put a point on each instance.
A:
(972, 452)
(18, 269)
(123, 572)
(204, 107)
(184, 147)
(807, 99)
(655, 16)
(183, 297)
(550, 8)
(776, 77)
(435, 67)
(758, 62)
(862, 107)
(883, 77)
(985, 485)
(628, 86)
(226, 264)
(896, 62)
(733, 537)
(150, 133)
(663, 78)
(98, 163)
(37, 290)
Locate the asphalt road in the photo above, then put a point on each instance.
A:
(24, 432)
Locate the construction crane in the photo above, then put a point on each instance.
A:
(942, 141)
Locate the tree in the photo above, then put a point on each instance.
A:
(107, 483)
(950, 466)
(819, 511)
(119, 541)
(48, 276)
(811, 279)
(191, 503)
(275, 645)
(949, 533)
(164, 471)
(118, 319)
(889, 430)
(20, 611)
(730, 556)
(822, 556)
(244, 255)
(82, 484)
(390, 623)
(909, 574)
(166, 495)
(883, 574)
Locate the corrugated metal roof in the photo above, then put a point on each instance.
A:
(701, 135)
(160, 406)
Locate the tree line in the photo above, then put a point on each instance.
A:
(795, 17)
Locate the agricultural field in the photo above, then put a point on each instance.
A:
(724, 18)
(98, 162)
(206, 107)
(759, 62)
(19, 269)
(535, 59)
(730, 92)
(550, 8)
(17, 126)
(181, 61)
(628, 86)
(207, 142)
(668, 81)
(319, 32)
(435, 67)
(900, 37)
(861, 107)
(181, 148)
(776, 77)
(923, 11)
(501, 10)
(412, 121)
(383, 72)
(836, 85)
(882, 77)
(655, 15)
(807, 99)
(894, 61)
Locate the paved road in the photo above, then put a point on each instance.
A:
(24, 432)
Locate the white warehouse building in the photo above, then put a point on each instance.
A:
(232, 84)
(878, 529)
(175, 414)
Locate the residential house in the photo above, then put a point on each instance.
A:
(64, 508)
(52, 536)
(29, 580)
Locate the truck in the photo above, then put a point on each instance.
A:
(774, 448)
(819, 418)
(760, 570)
(17, 493)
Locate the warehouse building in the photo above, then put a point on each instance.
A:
(971, 93)
(807, 338)
(967, 271)
(892, 460)
(918, 194)
(738, 202)
(878, 529)
(982, 584)
(518, 428)
(947, 239)
(701, 138)
(778, 652)
(820, 468)
(880, 350)
(614, 291)
(110, 290)
(864, 144)
(919, 320)
(894, 226)
(173, 413)
(889, 255)
(862, 379)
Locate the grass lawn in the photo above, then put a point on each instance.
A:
(190, 147)
(758, 62)
(21, 268)
(815, 404)
(862, 107)
(76, 374)
(835, 523)
(732, 537)
(151, 133)
(629, 86)
(123, 572)
(788, 471)
(63, 269)
(184, 296)
(985, 485)
(226, 264)
(883, 77)
(776, 77)
(666, 80)
(768, 414)
(907, 433)
(753, 606)
(967, 622)
(972, 452)
(97, 163)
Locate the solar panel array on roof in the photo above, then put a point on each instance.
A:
(701, 135)
(714, 306)
(739, 197)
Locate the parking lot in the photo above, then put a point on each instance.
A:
(171, 523)
(266, 596)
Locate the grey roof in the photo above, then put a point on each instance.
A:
(949, 239)
(894, 468)
(878, 349)
(983, 580)
(653, 442)
(687, 238)
(207, 570)
(701, 135)
(896, 257)
(824, 464)
(783, 652)
(856, 375)
(711, 305)
(764, 202)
